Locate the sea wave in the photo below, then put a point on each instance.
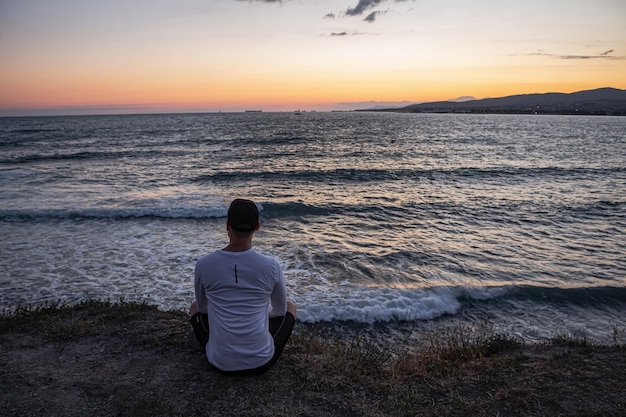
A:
(293, 209)
(114, 214)
(81, 156)
(371, 304)
(374, 175)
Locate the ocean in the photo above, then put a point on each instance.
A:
(380, 220)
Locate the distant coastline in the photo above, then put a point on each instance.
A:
(602, 101)
(605, 101)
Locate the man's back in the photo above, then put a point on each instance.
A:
(235, 289)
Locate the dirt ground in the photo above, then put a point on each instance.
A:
(95, 362)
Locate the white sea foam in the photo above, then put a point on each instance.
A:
(369, 305)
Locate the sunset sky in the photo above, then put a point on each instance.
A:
(121, 56)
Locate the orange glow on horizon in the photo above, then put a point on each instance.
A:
(68, 95)
(230, 55)
(205, 87)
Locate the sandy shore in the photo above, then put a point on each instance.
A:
(103, 359)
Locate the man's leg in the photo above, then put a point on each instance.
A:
(281, 328)
(200, 324)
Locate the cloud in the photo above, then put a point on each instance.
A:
(462, 99)
(363, 6)
(373, 104)
(346, 33)
(604, 55)
(372, 16)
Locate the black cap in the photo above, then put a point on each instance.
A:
(243, 215)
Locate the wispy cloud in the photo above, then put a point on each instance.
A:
(604, 55)
(346, 33)
(373, 104)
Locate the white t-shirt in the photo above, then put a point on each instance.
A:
(239, 291)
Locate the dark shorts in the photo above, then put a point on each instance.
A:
(280, 328)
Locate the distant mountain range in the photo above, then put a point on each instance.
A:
(602, 101)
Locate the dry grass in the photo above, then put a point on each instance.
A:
(104, 358)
